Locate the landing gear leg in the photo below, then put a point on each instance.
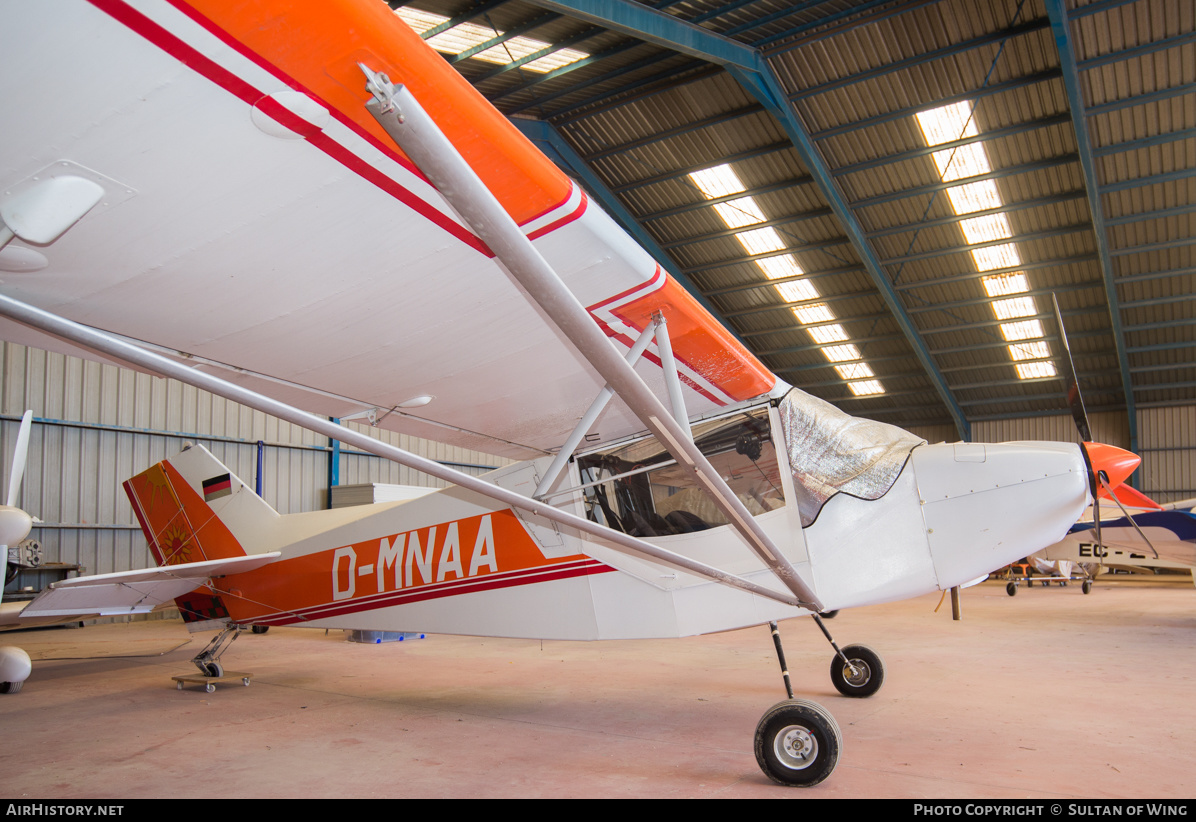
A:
(776, 640)
(208, 660)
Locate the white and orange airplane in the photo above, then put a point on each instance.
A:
(305, 209)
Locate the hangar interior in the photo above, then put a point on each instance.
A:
(879, 198)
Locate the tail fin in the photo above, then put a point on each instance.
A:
(192, 508)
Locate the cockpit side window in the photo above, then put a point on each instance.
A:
(648, 494)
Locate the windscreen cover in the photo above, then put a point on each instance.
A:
(830, 451)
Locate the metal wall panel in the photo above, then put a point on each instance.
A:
(97, 425)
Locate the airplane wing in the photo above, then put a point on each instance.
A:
(134, 592)
(256, 221)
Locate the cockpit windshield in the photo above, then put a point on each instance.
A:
(830, 451)
(641, 490)
(646, 493)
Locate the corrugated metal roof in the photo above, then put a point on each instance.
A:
(642, 116)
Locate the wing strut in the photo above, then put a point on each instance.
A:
(112, 346)
(398, 112)
(658, 328)
(589, 418)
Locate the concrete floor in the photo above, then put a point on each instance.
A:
(1049, 695)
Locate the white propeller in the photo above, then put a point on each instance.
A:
(15, 524)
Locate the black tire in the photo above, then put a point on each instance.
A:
(260, 629)
(10, 687)
(829, 614)
(214, 669)
(1011, 588)
(797, 743)
(870, 672)
(1086, 586)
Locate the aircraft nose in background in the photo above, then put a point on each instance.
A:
(986, 505)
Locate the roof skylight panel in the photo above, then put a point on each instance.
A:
(761, 241)
(1032, 370)
(963, 161)
(864, 387)
(741, 212)
(718, 181)
(854, 371)
(948, 124)
(797, 290)
(467, 35)
(1001, 285)
(1015, 307)
(986, 229)
(840, 353)
(823, 334)
(1030, 350)
(810, 314)
(978, 196)
(776, 267)
(996, 256)
(722, 181)
(420, 21)
(1025, 330)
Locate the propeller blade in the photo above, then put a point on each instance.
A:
(1075, 401)
(18, 460)
(1135, 498)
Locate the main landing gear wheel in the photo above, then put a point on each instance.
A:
(10, 687)
(868, 676)
(1011, 588)
(798, 743)
(213, 669)
(1086, 586)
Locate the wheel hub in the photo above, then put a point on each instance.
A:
(862, 673)
(796, 747)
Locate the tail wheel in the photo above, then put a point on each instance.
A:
(798, 743)
(868, 674)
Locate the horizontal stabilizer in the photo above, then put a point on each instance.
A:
(135, 592)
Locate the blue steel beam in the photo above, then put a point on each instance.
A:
(752, 70)
(1061, 30)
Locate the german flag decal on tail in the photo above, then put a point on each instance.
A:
(217, 487)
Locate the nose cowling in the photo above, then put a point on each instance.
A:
(986, 505)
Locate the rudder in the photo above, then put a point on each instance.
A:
(192, 508)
